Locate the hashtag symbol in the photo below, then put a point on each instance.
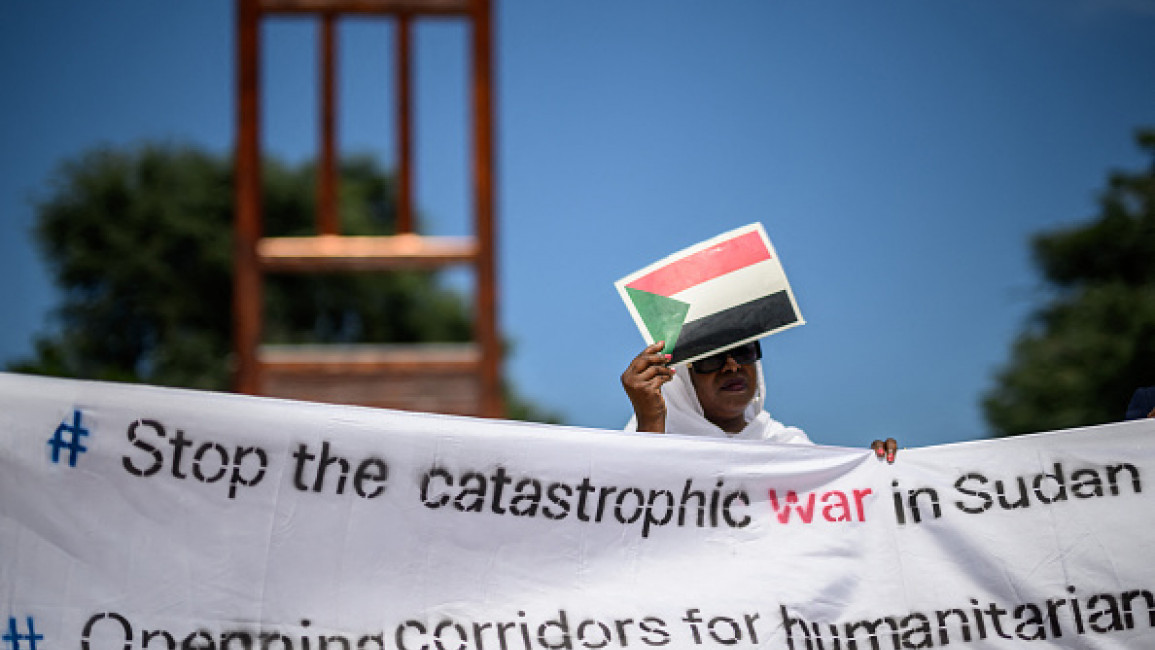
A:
(13, 637)
(73, 445)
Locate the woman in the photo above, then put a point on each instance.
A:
(722, 395)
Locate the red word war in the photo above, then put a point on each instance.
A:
(833, 505)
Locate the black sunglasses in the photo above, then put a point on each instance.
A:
(743, 355)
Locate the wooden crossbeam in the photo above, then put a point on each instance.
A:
(370, 357)
(337, 253)
(438, 377)
(442, 7)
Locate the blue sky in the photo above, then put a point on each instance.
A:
(900, 155)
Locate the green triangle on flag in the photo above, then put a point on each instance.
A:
(663, 316)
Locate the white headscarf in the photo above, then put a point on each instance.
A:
(684, 413)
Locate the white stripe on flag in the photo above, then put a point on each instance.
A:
(745, 284)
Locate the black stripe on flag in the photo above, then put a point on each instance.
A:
(728, 326)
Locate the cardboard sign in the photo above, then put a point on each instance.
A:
(714, 295)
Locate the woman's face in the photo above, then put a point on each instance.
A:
(725, 393)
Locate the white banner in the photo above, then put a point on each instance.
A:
(140, 518)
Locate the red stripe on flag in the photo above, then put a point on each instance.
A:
(706, 264)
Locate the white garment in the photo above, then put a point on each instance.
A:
(684, 414)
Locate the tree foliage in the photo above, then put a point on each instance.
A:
(140, 244)
(1084, 352)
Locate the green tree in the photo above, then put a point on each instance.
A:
(140, 244)
(1085, 351)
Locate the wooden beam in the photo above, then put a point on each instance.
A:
(437, 377)
(408, 358)
(483, 163)
(334, 253)
(247, 293)
(431, 7)
(404, 128)
(328, 223)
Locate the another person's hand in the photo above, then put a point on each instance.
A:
(885, 449)
(643, 381)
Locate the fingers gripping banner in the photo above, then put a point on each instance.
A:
(139, 518)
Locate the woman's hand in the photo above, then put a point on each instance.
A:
(885, 449)
(643, 381)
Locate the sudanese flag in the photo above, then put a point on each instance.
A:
(713, 295)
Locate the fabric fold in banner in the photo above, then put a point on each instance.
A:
(142, 518)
